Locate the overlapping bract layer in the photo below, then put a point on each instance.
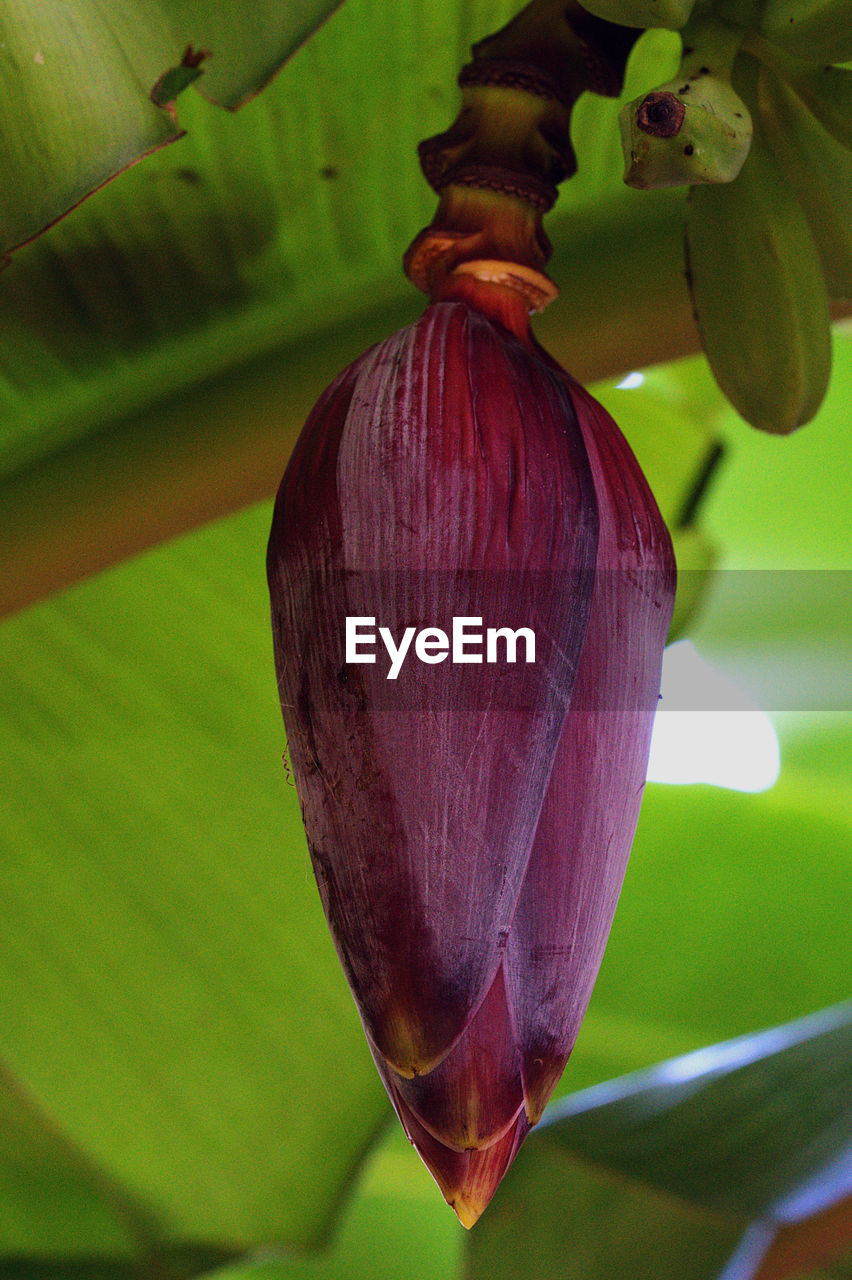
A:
(469, 824)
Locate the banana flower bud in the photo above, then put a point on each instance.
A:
(469, 812)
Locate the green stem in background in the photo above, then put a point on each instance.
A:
(497, 167)
(155, 473)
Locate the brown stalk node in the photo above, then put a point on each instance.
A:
(505, 74)
(570, 45)
(524, 186)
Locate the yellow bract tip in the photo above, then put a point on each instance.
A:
(467, 1211)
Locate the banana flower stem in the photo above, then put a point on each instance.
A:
(497, 167)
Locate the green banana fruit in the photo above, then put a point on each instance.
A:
(642, 13)
(670, 139)
(816, 29)
(819, 171)
(825, 90)
(757, 287)
(695, 128)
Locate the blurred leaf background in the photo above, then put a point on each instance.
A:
(184, 1084)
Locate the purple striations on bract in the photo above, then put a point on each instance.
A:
(469, 822)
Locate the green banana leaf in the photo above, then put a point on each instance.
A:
(86, 92)
(170, 997)
(713, 1164)
(730, 1161)
(176, 1029)
(184, 1078)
